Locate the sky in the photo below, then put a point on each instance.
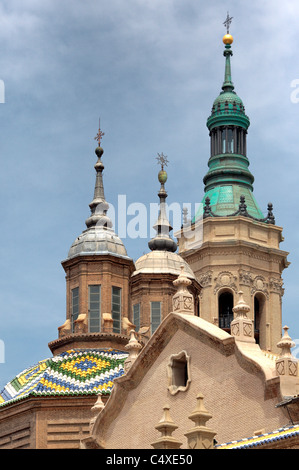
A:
(150, 70)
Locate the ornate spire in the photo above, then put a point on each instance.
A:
(200, 436)
(183, 301)
(229, 179)
(227, 40)
(99, 237)
(166, 427)
(99, 206)
(162, 241)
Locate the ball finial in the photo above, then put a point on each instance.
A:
(227, 39)
(162, 176)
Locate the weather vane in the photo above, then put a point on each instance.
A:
(162, 160)
(227, 22)
(99, 135)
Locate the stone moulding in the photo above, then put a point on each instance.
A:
(173, 386)
(225, 279)
(209, 333)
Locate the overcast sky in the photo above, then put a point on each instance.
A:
(150, 69)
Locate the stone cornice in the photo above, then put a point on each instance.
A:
(88, 338)
(231, 247)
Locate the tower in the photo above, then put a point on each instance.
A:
(152, 286)
(98, 272)
(240, 248)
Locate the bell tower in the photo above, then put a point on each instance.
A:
(240, 245)
(98, 271)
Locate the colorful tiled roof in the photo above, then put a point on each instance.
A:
(263, 439)
(74, 372)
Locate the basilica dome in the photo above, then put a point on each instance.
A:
(162, 262)
(98, 240)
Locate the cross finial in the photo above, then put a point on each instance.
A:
(162, 160)
(227, 22)
(99, 135)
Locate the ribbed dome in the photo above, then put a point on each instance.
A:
(228, 100)
(162, 262)
(98, 240)
(228, 108)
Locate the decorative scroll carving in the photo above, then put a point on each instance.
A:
(259, 285)
(245, 278)
(205, 279)
(225, 279)
(276, 285)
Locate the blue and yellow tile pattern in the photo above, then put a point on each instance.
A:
(88, 371)
(263, 439)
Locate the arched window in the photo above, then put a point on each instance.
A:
(225, 309)
(259, 314)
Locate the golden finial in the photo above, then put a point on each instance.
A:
(99, 135)
(163, 161)
(227, 38)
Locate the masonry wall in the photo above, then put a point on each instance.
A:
(46, 423)
(234, 396)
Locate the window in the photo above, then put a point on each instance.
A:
(116, 309)
(225, 305)
(259, 319)
(238, 143)
(223, 140)
(136, 316)
(230, 141)
(256, 314)
(178, 371)
(75, 306)
(94, 308)
(155, 316)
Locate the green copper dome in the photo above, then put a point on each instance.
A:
(228, 180)
(228, 109)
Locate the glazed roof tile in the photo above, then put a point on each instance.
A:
(74, 372)
(263, 439)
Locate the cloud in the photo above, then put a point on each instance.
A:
(151, 70)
